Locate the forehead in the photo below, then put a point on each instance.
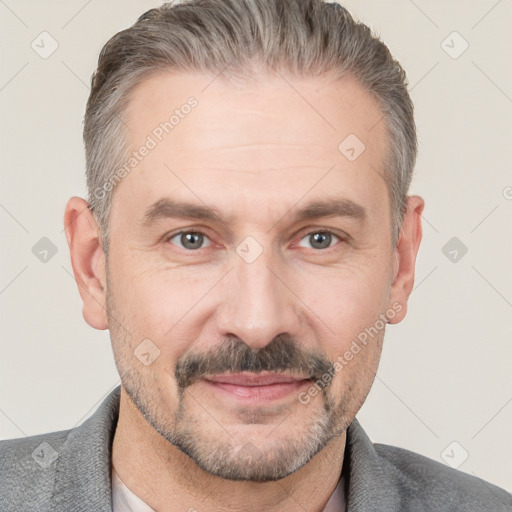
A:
(259, 139)
(316, 113)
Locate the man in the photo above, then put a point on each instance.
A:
(247, 237)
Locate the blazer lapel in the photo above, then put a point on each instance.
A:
(83, 470)
(369, 488)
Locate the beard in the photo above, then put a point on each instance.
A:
(290, 434)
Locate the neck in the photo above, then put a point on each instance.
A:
(167, 479)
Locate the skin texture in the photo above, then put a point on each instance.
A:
(256, 152)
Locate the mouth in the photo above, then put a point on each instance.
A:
(261, 387)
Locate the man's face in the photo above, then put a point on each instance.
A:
(257, 289)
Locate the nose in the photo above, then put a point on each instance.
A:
(257, 303)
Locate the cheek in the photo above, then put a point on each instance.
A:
(164, 305)
(147, 305)
(348, 303)
(355, 310)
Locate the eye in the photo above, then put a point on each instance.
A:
(191, 240)
(320, 239)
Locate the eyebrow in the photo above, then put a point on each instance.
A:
(169, 208)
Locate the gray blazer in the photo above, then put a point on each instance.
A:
(69, 471)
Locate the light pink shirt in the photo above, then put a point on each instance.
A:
(124, 500)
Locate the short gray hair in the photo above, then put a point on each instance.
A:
(309, 38)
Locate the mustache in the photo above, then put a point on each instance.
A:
(233, 355)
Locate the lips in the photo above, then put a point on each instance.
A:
(255, 389)
(252, 379)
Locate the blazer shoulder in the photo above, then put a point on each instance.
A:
(40, 448)
(26, 445)
(27, 470)
(448, 488)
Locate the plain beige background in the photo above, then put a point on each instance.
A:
(444, 384)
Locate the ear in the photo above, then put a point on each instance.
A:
(405, 257)
(88, 260)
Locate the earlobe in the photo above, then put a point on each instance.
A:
(405, 256)
(87, 260)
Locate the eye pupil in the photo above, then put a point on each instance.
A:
(321, 238)
(191, 240)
